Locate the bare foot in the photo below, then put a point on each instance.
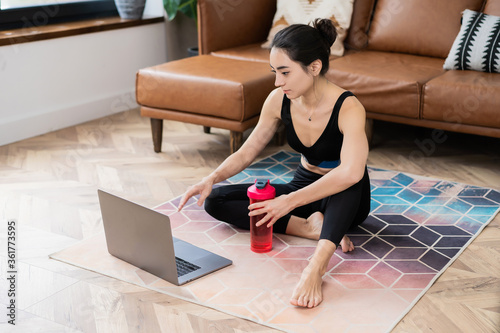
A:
(346, 244)
(307, 228)
(308, 292)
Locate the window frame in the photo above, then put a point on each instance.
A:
(37, 16)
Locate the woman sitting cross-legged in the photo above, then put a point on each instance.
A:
(330, 191)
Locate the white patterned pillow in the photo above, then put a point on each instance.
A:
(477, 46)
(290, 12)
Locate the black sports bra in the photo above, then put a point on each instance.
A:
(325, 152)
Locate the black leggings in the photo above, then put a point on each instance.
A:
(342, 211)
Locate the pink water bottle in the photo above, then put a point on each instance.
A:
(261, 238)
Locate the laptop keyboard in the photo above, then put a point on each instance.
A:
(184, 267)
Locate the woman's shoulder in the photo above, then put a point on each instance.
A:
(351, 111)
(276, 96)
(274, 101)
(351, 101)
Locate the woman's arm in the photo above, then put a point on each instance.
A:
(269, 121)
(353, 156)
(261, 135)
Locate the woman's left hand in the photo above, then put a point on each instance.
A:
(273, 210)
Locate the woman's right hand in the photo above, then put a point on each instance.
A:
(203, 188)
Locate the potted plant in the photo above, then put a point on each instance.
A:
(130, 9)
(188, 8)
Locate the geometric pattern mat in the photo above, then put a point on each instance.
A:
(416, 228)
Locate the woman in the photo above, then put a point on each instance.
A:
(330, 192)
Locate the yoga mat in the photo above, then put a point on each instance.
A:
(417, 227)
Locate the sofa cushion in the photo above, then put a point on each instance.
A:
(224, 24)
(250, 52)
(463, 97)
(423, 27)
(357, 37)
(290, 12)
(206, 85)
(388, 83)
(492, 7)
(477, 46)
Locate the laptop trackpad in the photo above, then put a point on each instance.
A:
(187, 251)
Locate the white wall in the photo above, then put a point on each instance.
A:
(56, 83)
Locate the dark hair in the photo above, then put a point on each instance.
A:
(304, 43)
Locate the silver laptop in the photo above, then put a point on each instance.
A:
(143, 238)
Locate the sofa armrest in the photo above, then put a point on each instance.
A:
(225, 24)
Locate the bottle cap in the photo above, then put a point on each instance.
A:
(261, 190)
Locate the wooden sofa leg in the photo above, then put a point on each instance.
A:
(235, 141)
(206, 129)
(157, 131)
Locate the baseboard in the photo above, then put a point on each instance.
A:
(28, 126)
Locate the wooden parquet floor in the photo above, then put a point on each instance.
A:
(48, 184)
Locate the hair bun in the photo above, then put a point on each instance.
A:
(326, 29)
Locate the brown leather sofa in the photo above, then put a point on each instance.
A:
(395, 51)
(393, 63)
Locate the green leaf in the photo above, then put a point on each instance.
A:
(188, 7)
(171, 7)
